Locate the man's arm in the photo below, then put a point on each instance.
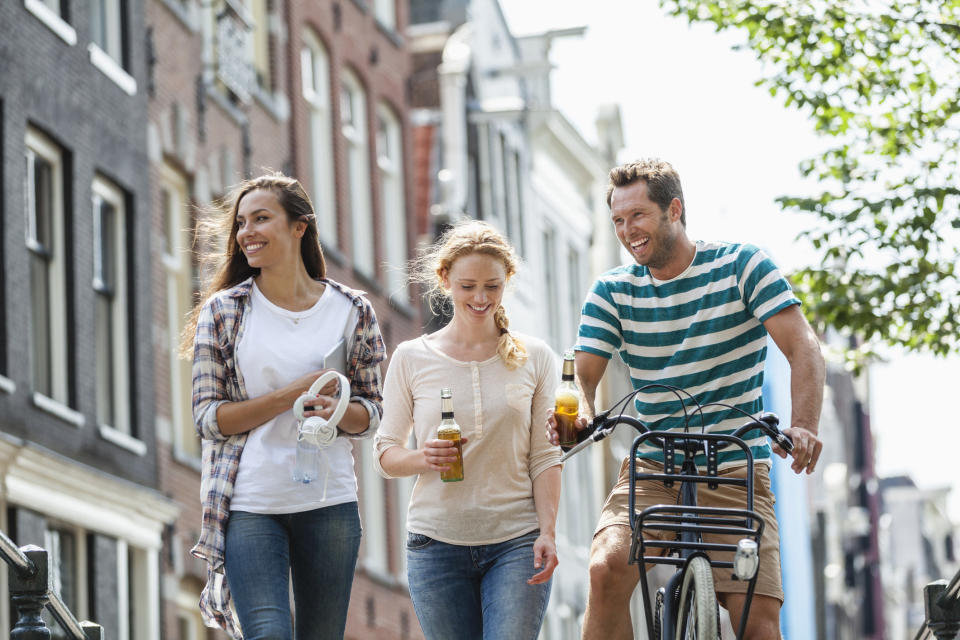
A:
(589, 368)
(796, 339)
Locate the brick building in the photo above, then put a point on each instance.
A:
(77, 455)
(316, 89)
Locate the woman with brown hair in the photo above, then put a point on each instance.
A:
(481, 551)
(259, 339)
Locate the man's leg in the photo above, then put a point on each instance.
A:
(764, 620)
(612, 582)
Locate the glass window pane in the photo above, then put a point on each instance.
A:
(104, 369)
(105, 248)
(43, 203)
(40, 362)
(167, 220)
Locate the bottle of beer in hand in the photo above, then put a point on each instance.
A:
(450, 430)
(568, 404)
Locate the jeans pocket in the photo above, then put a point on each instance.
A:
(417, 541)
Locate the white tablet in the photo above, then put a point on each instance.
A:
(336, 358)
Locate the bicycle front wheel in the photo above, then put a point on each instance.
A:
(697, 613)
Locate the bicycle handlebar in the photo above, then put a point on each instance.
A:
(603, 425)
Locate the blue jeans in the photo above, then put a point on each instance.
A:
(319, 548)
(476, 592)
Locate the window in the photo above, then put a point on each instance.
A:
(63, 567)
(403, 490)
(46, 244)
(353, 121)
(122, 587)
(386, 13)
(549, 273)
(392, 201)
(107, 29)
(261, 43)
(574, 294)
(111, 317)
(373, 510)
(180, 286)
(55, 15)
(498, 189)
(6, 385)
(56, 7)
(512, 181)
(189, 623)
(108, 51)
(315, 74)
(228, 45)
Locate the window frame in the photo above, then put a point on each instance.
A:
(57, 389)
(116, 391)
(355, 134)
(389, 146)
(315, 77)
(376, 552)
(385, 12)
(179, 280)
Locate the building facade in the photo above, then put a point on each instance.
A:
(316, 89)
(489, 144)
(77, 437)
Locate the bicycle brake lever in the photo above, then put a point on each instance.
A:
(784, 442)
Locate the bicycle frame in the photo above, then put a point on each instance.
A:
(687, 518)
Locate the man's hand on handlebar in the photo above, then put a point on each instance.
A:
(806, 449)
(552, 436)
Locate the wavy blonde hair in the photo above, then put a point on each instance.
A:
(462, 239)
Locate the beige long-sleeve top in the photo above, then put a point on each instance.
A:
(501, 411)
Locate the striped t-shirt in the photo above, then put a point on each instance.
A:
(700, 331)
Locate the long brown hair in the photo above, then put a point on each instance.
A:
(227, 261)
(462, 239)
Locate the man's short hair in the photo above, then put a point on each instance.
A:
(663, 182)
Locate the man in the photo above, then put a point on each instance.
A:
(695, 316)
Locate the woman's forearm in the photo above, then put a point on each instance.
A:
(355, 419)
(244, 415)
(400, 462)
(546, 499)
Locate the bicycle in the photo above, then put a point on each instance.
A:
(687, 606)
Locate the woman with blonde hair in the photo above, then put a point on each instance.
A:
(480, 552)
(259, 339)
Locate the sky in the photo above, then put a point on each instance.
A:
(687, 97)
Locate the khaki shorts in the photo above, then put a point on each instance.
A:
(652, 492)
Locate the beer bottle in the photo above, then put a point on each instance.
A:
(568, 404)
(450, 430)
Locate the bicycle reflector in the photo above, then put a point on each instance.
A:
(746, 560)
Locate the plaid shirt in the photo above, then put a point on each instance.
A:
(216, 380)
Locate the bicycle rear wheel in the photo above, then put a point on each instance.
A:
(697, 615)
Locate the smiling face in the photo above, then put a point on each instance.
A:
(475, 282)
(265, 233)
(648, 232)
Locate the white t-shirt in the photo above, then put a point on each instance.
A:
(277, 347)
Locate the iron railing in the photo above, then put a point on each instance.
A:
(941, 601)
(30, 592)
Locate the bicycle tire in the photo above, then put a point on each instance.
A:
(697, 614)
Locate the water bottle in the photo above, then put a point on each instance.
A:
(306, 469)
(745, 560)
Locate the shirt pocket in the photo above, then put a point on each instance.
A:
(519, 398)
